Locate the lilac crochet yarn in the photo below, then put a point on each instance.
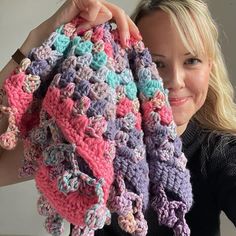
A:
(102, 138)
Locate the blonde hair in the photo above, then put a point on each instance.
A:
(199, 34)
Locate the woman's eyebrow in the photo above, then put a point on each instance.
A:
(160, 55)
(157, 55)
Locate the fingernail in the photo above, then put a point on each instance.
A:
(140, 36)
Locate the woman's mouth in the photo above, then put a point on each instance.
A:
(178, 101)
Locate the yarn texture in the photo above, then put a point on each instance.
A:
(98, 133)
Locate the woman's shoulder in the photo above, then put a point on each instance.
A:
(217, 147)
(220, 149)
(214, 140)
(220, 143)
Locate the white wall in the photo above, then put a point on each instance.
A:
(18, 213)
(224, 14)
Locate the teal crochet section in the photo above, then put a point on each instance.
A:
(61, 43)
(99, 60)
(76, 40)
(126, 76)
(112, 79)
(131, 90)
(84, 47)
(150, 87)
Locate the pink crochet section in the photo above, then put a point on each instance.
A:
(20, 100)
(90, 149)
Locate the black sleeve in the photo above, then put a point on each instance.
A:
(229, 206)
(223, 177)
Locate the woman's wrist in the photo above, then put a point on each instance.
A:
(28, 44)
(34, 39)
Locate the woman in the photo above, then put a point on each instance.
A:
(182, 39)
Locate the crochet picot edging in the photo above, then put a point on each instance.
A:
(98, 133)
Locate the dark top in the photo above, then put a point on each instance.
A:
(212, 164)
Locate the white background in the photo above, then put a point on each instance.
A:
(18, 214)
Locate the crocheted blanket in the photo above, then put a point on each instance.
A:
(98, 133)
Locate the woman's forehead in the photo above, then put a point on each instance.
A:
(160, 30)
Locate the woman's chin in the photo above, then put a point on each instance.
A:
(181, 119)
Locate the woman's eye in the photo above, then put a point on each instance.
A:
(192, 61)
(159, 64)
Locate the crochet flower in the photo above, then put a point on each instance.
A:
(166, 115)
(124, 107)
(99, 75)
(99, 60)
(150, 87)
(81, 106)
(61, 43)
(98, 91)
(67, 77)
(131, 90)
(144, 74)
(98, 46)
(110, 112)
(97, 34)
(83, 73)
(42, 53)
(81, 89)
(126, 76)
(84, 60)
(120, 92)
(147, 108)
(83, 48)
(145, 58)
(97, 108)
(158, 100)
(120, 63)
(40, 67)
(96, 127)
(70, 62)
(112, 79)
(69, 29)
(108, 49)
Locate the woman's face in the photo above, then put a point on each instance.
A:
(185, 76)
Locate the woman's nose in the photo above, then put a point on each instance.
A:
(174, 78)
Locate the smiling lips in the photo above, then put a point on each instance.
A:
(178, 101)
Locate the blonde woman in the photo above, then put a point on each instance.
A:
(183, 40)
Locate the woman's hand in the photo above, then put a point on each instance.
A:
(94, 12)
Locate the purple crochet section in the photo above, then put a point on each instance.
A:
(98, 133)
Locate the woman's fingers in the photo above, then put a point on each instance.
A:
(65, 13)
(97, 12)
(88, 9)
(120, 18)
(102, 16)
(133, 29)
(123, 27)
(126, 26)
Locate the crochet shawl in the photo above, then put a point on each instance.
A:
(98, 133)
